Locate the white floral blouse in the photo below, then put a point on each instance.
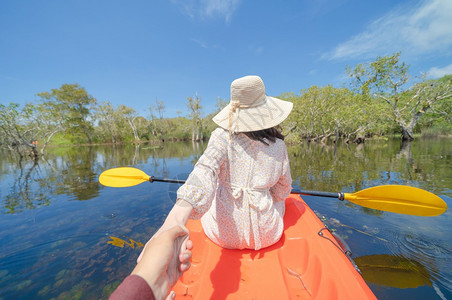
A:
(238, 187)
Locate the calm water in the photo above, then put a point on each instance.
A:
(61, 232)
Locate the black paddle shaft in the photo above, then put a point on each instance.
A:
(152, 179)
(339, 195)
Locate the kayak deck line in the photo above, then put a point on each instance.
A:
(292, 272)
(301, 265)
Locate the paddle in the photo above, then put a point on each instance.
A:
(392, 198)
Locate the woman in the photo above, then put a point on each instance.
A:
(239, 184)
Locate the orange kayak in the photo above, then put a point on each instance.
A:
(302, 265)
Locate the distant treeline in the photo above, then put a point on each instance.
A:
(380, 99)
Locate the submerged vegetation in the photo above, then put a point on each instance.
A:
(381, 99)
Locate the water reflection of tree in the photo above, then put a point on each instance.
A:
(23, 194)
(425, 163)
(354, 167)
(158, 163)
(73, 172)
(77, 173)
(393, 271)
(198, 148)
(351, 168)
(326, 168)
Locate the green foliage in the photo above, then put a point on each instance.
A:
(61, 139)
(69, 107)
(320, 113)
(438, 120)
(387, 80)
(382, 101)
(19, 129)
(116, 125)
(177, 129)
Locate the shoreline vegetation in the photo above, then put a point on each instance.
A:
(159, 144)
(382, 99)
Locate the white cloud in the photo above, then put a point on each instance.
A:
(208, 8)
(419, 30)
(201, 43)
(206, 45)
(440, 72)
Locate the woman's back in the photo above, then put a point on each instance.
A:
(254, 164)
(247, 207)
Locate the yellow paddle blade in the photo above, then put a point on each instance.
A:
(399, 199)
(123, 177)
(393, 271)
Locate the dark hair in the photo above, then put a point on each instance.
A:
(270, 134)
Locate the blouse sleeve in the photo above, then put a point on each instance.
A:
(200, 187)
(283, 187)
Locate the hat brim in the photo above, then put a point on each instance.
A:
(273, 112)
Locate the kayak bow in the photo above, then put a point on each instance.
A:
(306, 263)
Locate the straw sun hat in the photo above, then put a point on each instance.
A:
(250, 109)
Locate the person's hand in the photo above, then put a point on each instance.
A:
(178, 216)
(161, 263)
(184, 245)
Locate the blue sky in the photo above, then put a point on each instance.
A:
(134, 52)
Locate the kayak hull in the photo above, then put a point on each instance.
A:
(301, 265)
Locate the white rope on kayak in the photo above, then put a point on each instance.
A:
(292, 272)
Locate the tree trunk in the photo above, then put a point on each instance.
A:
(360, 137)
(34, 153)
(336, 137)
(407, 134)
(197, 131)
(113, 139)
(407, 129)
(134, 130)
(47, 141)
(201, 134)
(87, 134)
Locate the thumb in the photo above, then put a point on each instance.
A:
(141, 254)
(175, 232)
